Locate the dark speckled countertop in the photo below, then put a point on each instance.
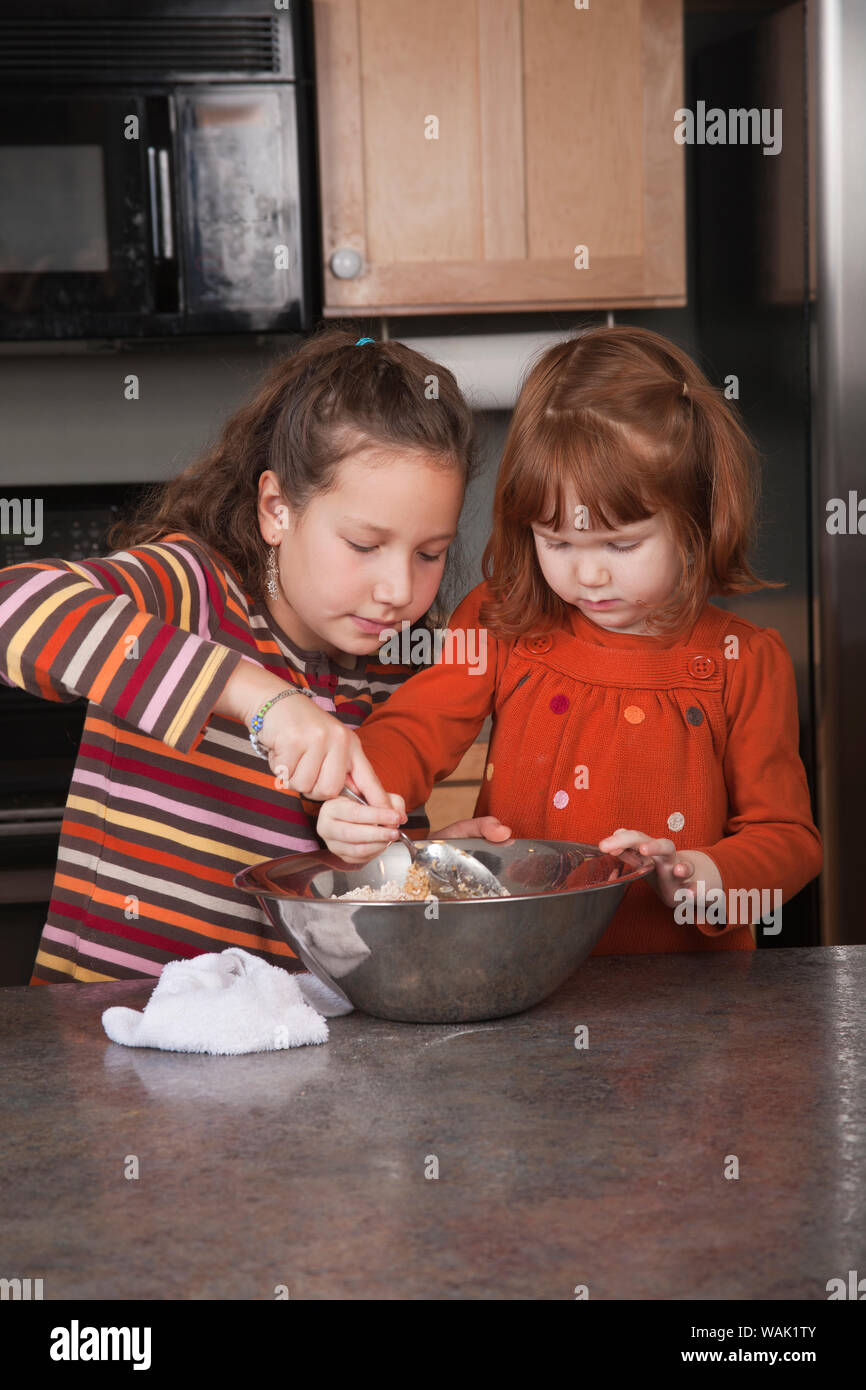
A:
(558, 1166)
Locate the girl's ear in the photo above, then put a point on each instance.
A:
(275, 514)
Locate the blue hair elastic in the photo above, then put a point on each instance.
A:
(364, 340)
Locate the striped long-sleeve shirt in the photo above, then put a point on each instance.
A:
(168, 800)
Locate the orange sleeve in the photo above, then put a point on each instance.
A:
(771, 840)
(420, 733)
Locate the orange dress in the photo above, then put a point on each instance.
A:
(694, 739)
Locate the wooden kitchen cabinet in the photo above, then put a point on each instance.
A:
(555, 131)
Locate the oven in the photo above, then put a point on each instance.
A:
(40, 738)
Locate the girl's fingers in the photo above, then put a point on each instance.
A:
(353, 833)
(350, 823)
(395, 803)
(481, 827)
(364, 777)
(657, 848)
(332, 774)
(346, 812)
(664, 850)
(630, 839)
(304, 775)
(491, 827)
(355, 854)
(351, 854)
(350, 839)
(620, 839)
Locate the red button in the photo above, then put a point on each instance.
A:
(539, 645)
(701, 666)
(332, 682)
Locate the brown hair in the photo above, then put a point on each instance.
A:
(606, 414)
(315, 406)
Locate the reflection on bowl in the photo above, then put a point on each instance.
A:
(449, 961)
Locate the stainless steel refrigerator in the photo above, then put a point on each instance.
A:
(780, 301)
(836, 38)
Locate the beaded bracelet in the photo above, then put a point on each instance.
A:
(258, 719)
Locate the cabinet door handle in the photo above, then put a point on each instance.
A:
(346, 263)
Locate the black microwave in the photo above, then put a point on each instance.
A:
(157, 168)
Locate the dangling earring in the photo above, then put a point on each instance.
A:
(273, 588)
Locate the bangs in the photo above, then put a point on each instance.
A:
(592, 462)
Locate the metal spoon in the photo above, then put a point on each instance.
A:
(460, 872)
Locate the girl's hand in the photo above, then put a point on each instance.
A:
(358, 833)
(479, 828)
(671, 871)
(315, 753)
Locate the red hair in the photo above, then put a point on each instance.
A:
(605, 415)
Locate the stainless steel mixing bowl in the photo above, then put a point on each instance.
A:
(447, 962)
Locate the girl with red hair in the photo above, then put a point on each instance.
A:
(627, 710)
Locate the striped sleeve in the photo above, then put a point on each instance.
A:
(129, 632)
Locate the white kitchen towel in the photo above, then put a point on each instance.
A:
(227, 1002)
